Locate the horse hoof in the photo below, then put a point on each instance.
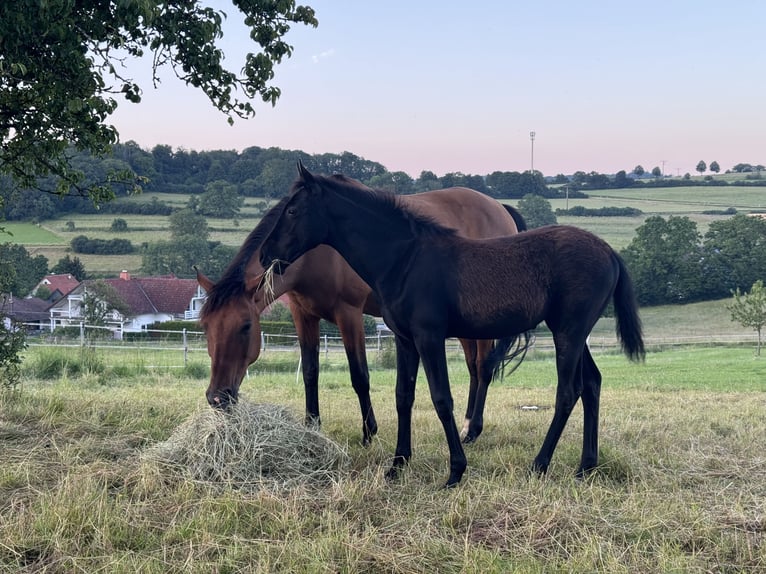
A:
(393, 474)
(536, 470)
(450, 484)
(469, 439)
(396, 468)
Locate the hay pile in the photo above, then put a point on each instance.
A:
(249, 446)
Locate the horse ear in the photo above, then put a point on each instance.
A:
(304, 174)
(203, 280)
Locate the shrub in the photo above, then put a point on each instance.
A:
(56, 363)
(12, 344)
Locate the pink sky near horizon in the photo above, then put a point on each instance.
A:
(446, 88)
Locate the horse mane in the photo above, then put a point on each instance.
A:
(388, 202)
(232, 282)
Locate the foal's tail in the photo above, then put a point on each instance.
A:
(627, 321)
(503, 353)
(518, 219)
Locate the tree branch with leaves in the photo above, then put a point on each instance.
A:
(62, 66)
(749, 309)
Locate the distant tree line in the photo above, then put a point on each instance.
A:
(253, 172)
(671, 262)
(270, 172)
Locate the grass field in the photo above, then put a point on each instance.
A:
(680, 487)
(52, 237)
(30, 234)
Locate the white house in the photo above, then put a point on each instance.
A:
(149, 300)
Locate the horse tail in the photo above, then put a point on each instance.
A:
(518, 219)
(503, 353)
(627, 321)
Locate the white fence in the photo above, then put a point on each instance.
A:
(176, 349)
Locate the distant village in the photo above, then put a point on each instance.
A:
(145, 301)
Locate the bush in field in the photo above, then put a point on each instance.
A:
(119, 224)
(387, 356)
(82, 244)
(12, 343)
(196, 371)
(56, 363)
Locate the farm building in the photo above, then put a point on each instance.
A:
(144, 300)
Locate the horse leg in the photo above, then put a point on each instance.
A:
(591, 394)
(568, 391)
(469, 352)
(476, 425)
(407, 361)
(352, 332)
(435, 366)
(307, 329)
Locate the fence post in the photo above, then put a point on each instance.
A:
(186, 348)
(326, 349)
(82, 334)
(379, 347)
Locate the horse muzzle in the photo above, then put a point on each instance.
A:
(223, 399)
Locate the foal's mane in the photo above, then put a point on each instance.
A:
(232, 282)
(386, 202)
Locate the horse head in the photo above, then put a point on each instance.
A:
(302, 224)
(231, 321)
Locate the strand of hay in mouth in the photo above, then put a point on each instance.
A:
(248, 446)
(267, 281)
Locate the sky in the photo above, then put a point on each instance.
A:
(457, 87)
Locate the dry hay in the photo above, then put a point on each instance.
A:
(249, 446)
(266, 283)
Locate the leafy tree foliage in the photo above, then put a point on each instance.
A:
(670, 262)
(19, 271)
(119, 224)
(188, 223)
(663, 260)
(639, 170)
(99, 301)
(512, 184)
(179, 256)
(83, 244)
(72, 266)
(220, 200)
(13, 341)
(714, 167)
(536, 210)
(733, 253)
(60, 73)
(749, 309)
(701, 167)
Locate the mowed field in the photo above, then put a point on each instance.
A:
(51, 238)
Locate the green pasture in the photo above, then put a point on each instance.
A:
(680, 487)
(29, 234)
(696, 203)
(51, 238)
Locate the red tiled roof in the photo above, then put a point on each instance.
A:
(146, 295)
(62, 283)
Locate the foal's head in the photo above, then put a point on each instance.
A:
(302, 225)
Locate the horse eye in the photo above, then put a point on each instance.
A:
(291, 211)
(245, 330)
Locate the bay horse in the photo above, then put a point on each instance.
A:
(320, 284)
(433, 284)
